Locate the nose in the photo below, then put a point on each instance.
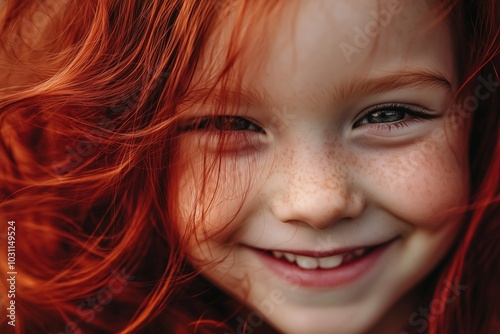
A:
(317, 187)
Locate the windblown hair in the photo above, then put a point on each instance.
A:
(88, 141)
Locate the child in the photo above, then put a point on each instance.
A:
(256, 166)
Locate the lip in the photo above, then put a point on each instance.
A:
(325, 278)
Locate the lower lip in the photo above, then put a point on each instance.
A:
(324, 278)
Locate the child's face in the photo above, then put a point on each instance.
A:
(349, 151)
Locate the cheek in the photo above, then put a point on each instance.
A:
(421, 184)
(211, 197)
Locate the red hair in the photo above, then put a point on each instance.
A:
(472, 262)
(88, 98)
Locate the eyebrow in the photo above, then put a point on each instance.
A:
(343, 93)
(423, 79)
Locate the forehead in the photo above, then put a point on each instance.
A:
(307, 46)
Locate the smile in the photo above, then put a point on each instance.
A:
(324, 269)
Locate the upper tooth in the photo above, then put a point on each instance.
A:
(277, 254)
(306, 262)
(330, 261)
(290, 257)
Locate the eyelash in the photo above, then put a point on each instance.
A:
(209, 123)
(416, 113)
(233, 140)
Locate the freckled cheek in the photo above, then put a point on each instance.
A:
(421, 184)
(211, 194)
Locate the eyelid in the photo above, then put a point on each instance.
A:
(229, 141)
(193, 124)
(411, 109)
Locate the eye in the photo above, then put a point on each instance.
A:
(393, 115)
(230, 134)
(385, 116)
(221, 124)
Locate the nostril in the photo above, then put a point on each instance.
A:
(320, 209)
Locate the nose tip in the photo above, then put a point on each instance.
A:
(319, 210)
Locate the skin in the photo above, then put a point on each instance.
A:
(310, 178)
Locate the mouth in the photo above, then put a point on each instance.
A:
(327, 262)
(323, 269)
(317, 261)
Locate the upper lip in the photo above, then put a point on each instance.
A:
(331, 252)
